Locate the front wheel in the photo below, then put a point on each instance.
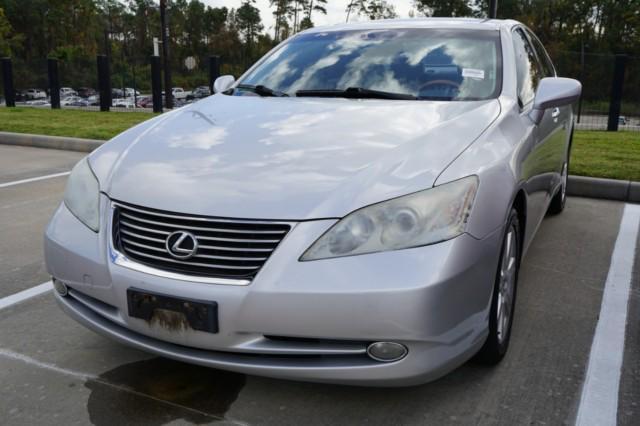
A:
(560, 199)
(504, 295)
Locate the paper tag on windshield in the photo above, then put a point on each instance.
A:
(473, 73)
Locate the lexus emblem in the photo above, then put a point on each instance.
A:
(181, 244)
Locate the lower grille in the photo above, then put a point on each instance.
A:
(223, 248)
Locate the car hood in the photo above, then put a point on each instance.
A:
(287, 158)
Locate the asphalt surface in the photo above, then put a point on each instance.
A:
(54, 371)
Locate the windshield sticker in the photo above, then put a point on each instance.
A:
(473, 73)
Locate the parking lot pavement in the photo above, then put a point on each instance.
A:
(54, 371)
(18, 163)
(25, 209)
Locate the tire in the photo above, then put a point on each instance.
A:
(560, 199)
(504, 295)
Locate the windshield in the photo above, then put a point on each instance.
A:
(436, 64)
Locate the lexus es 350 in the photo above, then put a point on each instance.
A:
(353, 209)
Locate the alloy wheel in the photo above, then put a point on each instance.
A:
(506, 285)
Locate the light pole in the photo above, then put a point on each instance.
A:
(168, 96)
(493, 9)
(582, 46)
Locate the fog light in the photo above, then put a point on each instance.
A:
(386, 351)
(60, 287)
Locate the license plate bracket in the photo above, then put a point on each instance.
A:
(201, 315)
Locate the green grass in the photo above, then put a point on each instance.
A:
(614, 155)
(69, 122)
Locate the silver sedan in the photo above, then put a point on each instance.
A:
(353, 209)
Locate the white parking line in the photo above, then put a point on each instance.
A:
(33, 179)
(25, 294)
(599, 400)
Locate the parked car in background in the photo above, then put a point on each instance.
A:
(117, 93)
(75, 101)
(67, 91)
(199, 93)
(129, 92)
(81, 102)
(70, 100)
(145, 102)
(86, 92)
(178, 103)
(179, 93)
(38, 102)
(361, 221)
(32, 94)
(21, 96)
(123, 103)
(93, 100)
(175, 101)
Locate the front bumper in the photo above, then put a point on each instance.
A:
(297, 320)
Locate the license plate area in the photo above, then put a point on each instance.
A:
(200, 315)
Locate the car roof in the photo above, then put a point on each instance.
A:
(455, 23)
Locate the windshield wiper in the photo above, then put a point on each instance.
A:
(355, 93)
(261, 90)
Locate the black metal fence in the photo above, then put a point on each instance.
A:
(102, 83)
(610, 89)
(610, 98)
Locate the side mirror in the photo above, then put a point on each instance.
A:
(223, 83)
(554, 92)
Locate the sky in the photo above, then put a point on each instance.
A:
(336, 11)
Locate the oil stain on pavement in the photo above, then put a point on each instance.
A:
(189, 392)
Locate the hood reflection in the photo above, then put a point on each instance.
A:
(292, 158)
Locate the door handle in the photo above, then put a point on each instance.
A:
(555, 113)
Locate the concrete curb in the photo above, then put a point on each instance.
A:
(609, 189)
(51, 142)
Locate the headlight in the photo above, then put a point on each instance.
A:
(418, 219)
(82, 195)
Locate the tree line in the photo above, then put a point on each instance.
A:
(74, 31)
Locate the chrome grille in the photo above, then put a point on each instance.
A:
(227, 248)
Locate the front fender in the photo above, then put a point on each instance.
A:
(495, 157)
